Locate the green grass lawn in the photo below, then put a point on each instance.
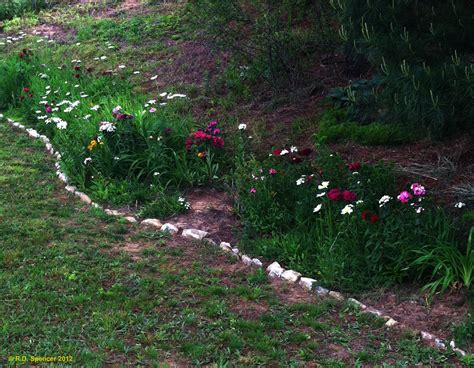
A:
(77, 283)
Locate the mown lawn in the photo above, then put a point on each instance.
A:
(69, 288)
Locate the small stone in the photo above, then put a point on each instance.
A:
(131, 219)
(356, 303)
(246, 260)
(235, 250)
(83, 197)
(44, 139)
(113, 212)
(257, 262)
(63, 177)
(440, 343)
(49, 146)
(321, 291)
(225, 247)
(33, 133)
(391, 322)
(307, 282)
(459, 351)
(290, 276)
(336, 295)
(152, 222)
(275, 270)
(96, 205)
(374, 311)
(194, 234)
(209, 241)
(426, 336)
(70, 188)
(170, 228)
(452, 344)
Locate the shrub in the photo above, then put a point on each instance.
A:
(278, 39)
(12, 8)
(334, 125)
(14, 72)
(421, 51)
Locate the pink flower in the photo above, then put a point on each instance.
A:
(152, 110)
(253, 190)
(404, 197)
(272, 172)
(418, 189)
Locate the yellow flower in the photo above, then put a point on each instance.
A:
(92, 145)
(201, 154)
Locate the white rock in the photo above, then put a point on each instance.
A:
(426, 336)
(194, 234)
(63, 177)
(169, 228)
(49, 147)
(440, 343)
(257, 262)
(356, 303)
(225, 247)
(246, 260)
(152, 223)
(96, 205)
(452, 344)
(112, 212)
(70, 188)
(44, 139)
(459, 351)
(290, 276)
(321, 291)
(374, 311)
(336, 295)
(307, 283)
(235, 250)
(33, 133)
(275, 270)
(131, 219)
(83, 197)
(391, 322)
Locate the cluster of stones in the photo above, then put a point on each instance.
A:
(274, 270)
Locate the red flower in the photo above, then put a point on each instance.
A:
(26, 90)
(354, 166)
(305, 152)
(349, 196)
(374, 219)
(272, 172)
(365, 215)
(20, 55)
(77, 76)
(276, 152)
(77, 68)
(334, 194)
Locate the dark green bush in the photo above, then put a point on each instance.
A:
(422, 52)
(335, 125)
(13, 8)
(277, 38)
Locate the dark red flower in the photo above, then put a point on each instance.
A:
(77, 76)
(77, 68)
(349, 196)
(21, 56)
(365, 215)
(334, 194)
(276, 152)
(354, 166)
(374, 219)
(305, 152)
(26, 89)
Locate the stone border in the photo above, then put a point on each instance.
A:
(274, 270)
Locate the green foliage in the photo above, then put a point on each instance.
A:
(13, 8)
(334, 125)
(14, 74)
(449, 264)
(277, 40)
(166, 204)
(421, 52)
(464, 332)
(351, 242)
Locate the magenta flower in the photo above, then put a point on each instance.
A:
(418, 189)
(272, 172)
(253, 190)
(404, 197)
(152, 110)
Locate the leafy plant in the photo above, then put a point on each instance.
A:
(448, 263)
